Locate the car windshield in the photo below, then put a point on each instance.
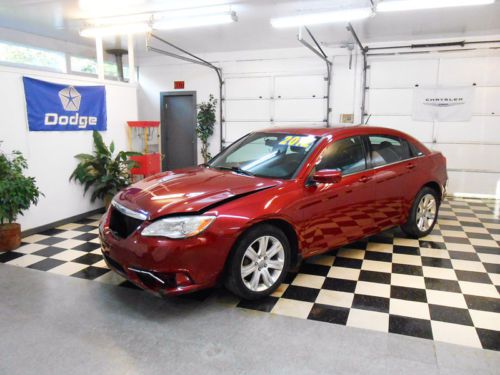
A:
(275, 155)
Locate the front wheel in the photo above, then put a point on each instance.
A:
(258, 263)
(423, 214)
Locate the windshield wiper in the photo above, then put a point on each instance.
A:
(237, 170)
(242, 171)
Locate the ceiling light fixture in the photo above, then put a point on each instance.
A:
(402, 5)
(188, 22)
(95, 5)
(322, 18)
(112, 30)
(193, 12)
(120, 20)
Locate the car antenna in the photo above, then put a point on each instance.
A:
(367, 119)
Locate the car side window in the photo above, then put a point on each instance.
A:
(347, 154)
(387, 150)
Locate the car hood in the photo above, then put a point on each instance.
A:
(188, 190)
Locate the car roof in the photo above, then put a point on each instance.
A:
(336, 131)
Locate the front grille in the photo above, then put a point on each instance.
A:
(122, 225)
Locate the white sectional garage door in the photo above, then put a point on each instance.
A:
(472, 148)
(259, 102)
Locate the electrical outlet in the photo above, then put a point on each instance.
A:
(346, 118)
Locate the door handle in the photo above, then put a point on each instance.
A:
(364, 179)
(411, 166)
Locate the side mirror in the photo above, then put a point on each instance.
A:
(327, 176)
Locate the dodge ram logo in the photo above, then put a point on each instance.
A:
(70, 99)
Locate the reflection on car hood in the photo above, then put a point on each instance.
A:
(188, 190)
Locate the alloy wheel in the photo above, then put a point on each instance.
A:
(262, 263)
(426, 212)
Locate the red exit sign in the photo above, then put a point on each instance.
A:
(178, 85)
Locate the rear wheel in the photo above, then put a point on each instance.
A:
(258, 263)
(423, 214)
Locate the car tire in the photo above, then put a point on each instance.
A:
(423, 214)
(258, 262)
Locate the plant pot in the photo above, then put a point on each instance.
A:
(10, 236)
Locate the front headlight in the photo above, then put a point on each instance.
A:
(179, 226)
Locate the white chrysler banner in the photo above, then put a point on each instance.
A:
(443, 104)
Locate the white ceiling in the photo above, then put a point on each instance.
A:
(61, 19)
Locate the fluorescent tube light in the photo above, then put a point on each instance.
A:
(120, 20)
(183, 23)
(401, 5)
(133, 28)
(193, 12)
(96, 5)
(320, 18)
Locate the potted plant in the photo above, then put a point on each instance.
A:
(17, 193)
(105, 172)
(206, 122)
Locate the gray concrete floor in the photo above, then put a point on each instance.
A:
(51, 324)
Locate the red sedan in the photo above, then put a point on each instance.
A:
(268, 201)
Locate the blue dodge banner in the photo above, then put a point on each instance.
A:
(61, 107)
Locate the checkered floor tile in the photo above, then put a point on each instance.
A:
(72, 249)
(444, 287)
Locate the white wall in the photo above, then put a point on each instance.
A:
(472, 159)
(50, 154)
(472, 148)
(247, 111)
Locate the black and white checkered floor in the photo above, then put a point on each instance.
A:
(443, 287)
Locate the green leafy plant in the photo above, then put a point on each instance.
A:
(105, 172)
(206, 123)
(17, 191)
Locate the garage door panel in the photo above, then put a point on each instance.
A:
(484, 129)
(474, 183)
(300, 110)
(471, 156)
(429, 145)
(394, 74)
(305, 124)
(420, 130)
(307, 86)
(248, 87)
(390, 101)
(487, 101)
(236, 130)
(399, 101)
(247, 110)
(482, 71)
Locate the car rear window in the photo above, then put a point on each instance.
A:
(387, 150)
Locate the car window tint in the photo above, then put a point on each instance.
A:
(347, 154)
(387, 150)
